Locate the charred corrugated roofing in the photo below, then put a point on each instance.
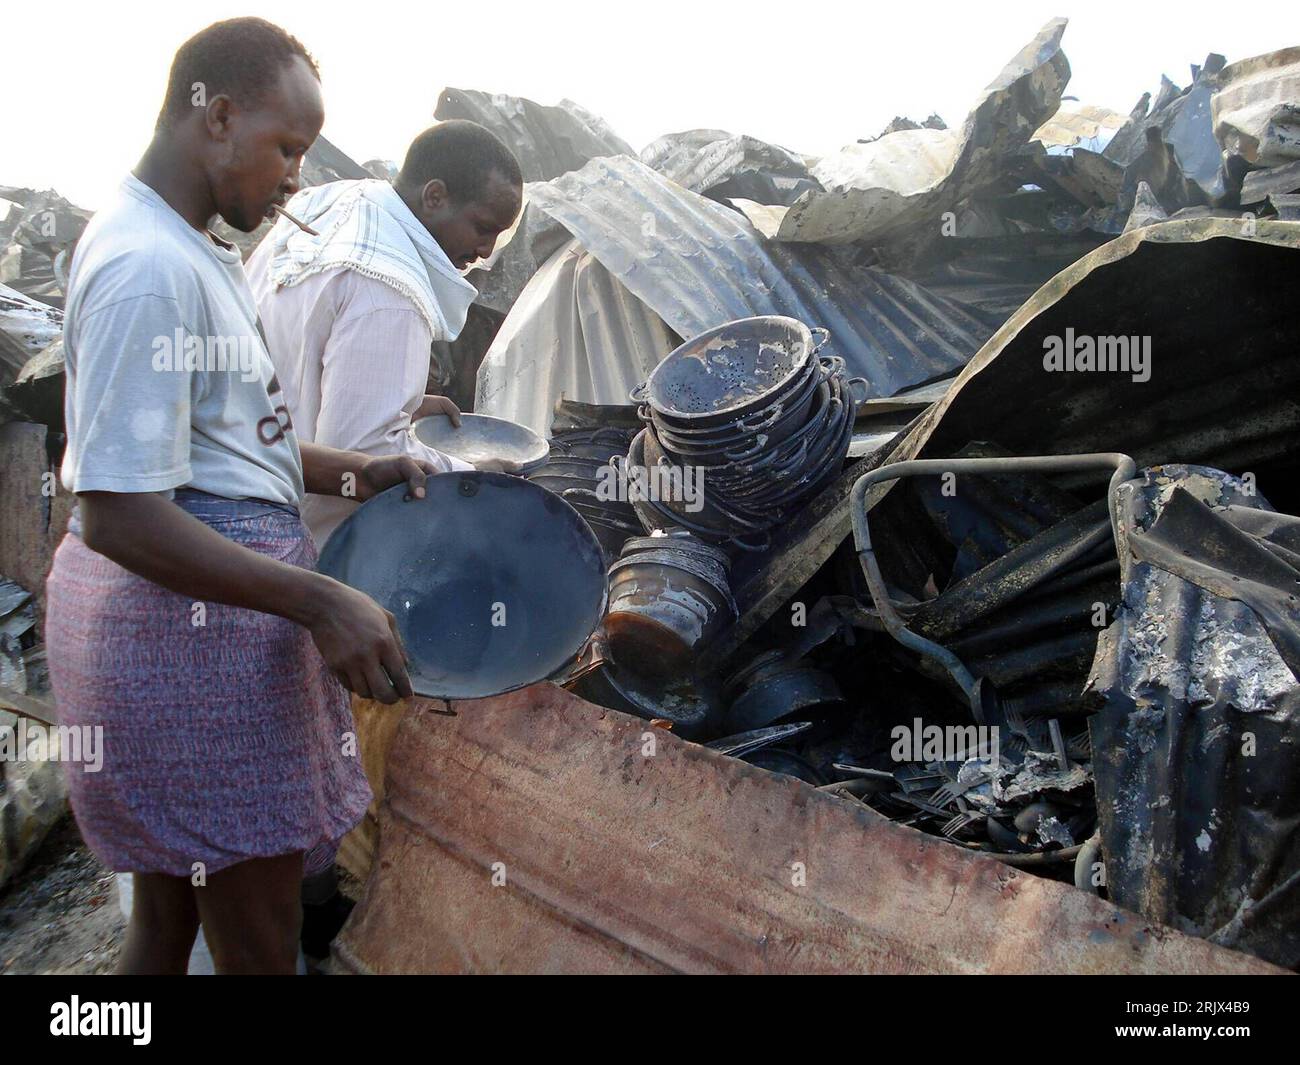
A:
(547, 141)
(698, 264)
(1214, 305)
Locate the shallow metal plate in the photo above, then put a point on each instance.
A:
(481, 437)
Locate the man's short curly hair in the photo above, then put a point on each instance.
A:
(463, 154)
(241, 58)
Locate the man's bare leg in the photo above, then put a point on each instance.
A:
(252, 914)
(164, 922)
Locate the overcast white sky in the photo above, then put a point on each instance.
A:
(83, 81)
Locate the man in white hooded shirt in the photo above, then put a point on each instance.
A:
(350, 315)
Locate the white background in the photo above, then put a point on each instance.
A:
(82, 81)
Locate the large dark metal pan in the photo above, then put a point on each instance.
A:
(481, 437)
(495, 582)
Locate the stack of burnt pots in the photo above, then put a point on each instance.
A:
(764, 421)
(574, 472)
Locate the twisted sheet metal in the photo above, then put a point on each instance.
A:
(1254, 109)
(547, 141)
(1216, 302)
(575, 332)
(1197, 759)
(715, 163)
(939, 168)
(698, 264)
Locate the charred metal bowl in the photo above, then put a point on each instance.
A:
(495, 582)
(677, 540)
(728, 372)
(716, 512)
(482, 437)
(570, 466)
(767, 426)
(690, 704)
(772, 687)
(600, 444)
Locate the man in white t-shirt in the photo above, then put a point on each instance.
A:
(351, 314)
(185, 618)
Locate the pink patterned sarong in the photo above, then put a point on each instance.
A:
(222, 741)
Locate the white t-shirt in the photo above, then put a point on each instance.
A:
(168, 379)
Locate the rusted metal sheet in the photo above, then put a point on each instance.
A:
(610, 859)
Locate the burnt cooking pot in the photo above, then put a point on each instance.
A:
(765, 427)
(730, 371)
(495, 582)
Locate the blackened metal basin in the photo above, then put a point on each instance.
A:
(667, 603)
(729, 371)
(495, 582)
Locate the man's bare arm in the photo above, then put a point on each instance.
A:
(329, 471)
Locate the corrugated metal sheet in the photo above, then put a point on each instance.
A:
(1186, 148)
(575, 332)
(1255, 110)
(1196, 738)
(1079, 125)
(717, 164)
(698, 264)
(547, 141)
(906, 162)
(531, 833)
(993, 276)
(27, 326)
(1218, 307)
(858, 207)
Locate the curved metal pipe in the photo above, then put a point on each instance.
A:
(974, 688)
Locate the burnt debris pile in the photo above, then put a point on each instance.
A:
(950, 473)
